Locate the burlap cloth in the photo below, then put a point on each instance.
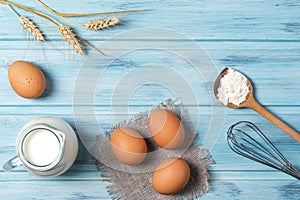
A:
(134, 182)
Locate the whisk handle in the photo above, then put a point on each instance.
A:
(275, 120)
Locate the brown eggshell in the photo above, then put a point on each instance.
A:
(166, 129)
(26, 79)
(171, 176)
(128, 146)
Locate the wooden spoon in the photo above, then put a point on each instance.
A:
(250, 102)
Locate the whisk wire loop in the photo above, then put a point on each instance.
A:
(239, 149)
(256, 146)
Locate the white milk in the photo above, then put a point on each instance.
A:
(41, 147)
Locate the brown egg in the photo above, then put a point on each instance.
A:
(128, 146)
(171, 176)
(26, 79)
(166, 129)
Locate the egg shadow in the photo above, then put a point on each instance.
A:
(196, 176)
(49, 85)
(196, 184)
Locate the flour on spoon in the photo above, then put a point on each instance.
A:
(233, 88)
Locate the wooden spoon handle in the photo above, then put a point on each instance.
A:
(275, 120)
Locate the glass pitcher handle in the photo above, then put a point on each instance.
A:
(12, 163)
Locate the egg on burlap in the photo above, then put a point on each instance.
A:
(166, 129)
(171, 176)
(128, 146)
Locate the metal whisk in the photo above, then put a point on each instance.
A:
(247, 140)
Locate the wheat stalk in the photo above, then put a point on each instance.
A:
(71, 38)
(31, 28)
(65, 31)
(101, 24)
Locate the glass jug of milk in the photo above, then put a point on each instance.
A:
(46, 146)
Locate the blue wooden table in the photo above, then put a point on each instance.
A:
(259, 38)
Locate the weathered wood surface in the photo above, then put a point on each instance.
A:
(259, 38)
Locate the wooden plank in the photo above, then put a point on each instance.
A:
(269, 59)
(256, 190)
(54, 189)
(198, 19)
(231, 189)
(215, 175)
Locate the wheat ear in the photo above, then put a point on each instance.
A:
(31, 28)
(71, 38)
(101, 24)
(66, 31)
(28, 25)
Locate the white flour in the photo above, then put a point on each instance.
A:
(233, 88)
